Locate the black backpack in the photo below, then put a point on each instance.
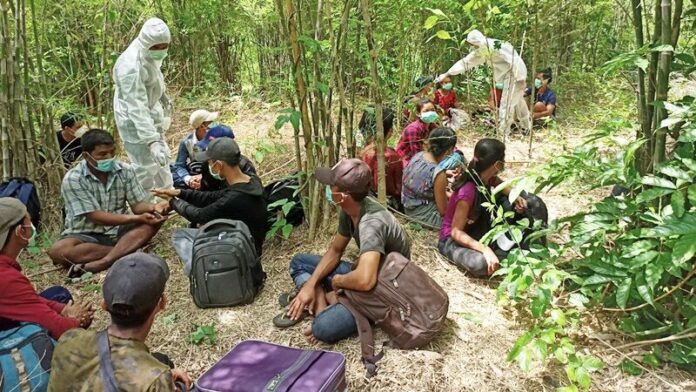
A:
(285, 188)
(225, 269)
(23, 189)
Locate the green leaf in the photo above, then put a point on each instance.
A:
(642, 259)
(638, 248)
(431, 22)
(569, 388)
(524, 360)
(653, 273)
(578, 300)
(627, 366)
(676, 173)
(437, 12)
(691, 192)
(442, 34)
(652, 360)
(521, 342)
(641, 63)
(592, 364)
(287, 229)
(558, 317)
(684, 249)
(623, 291)
(658, 182)
(652, 194)
(643, 288)
(287, 207)
(583, 378)
(295, 119)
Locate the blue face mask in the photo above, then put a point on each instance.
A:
(447, 86)
(499, 86)
(328, 193)
(213, 174)
(429, 117)
(105, 165)
(537, 83)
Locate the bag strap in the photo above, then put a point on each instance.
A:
(10, 188)
(25, 192)
(367, 339)
(106, 368)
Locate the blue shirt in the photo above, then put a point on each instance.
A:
(185, 164)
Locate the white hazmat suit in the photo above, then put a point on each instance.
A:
(508, 69)
(142, 109)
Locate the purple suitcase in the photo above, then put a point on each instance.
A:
(266, 367)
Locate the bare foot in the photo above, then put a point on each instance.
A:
(307, 332)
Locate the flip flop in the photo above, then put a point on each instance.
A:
(282, 320)
(76, 271)
(284, 299)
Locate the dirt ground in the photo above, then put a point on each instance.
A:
(470, 353)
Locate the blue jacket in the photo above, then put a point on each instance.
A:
(182, 168)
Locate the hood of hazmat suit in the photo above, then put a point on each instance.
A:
(141, 107)
(508, 66)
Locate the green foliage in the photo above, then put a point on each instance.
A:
(204, 333)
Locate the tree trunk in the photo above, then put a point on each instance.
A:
(641, 98)
(663, 70)
(379, 139)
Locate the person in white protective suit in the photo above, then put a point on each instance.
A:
(142, 109)
(508, 69)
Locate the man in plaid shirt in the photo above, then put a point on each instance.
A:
(99, 227)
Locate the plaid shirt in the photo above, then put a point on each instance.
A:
(83, 193)
(411, 141)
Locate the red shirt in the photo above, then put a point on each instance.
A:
(496, 96)
(412, 139)
(445, 100)
(393, 169)
(20, 302)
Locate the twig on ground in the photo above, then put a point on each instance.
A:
(46, 271)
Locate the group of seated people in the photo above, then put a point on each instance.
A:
(109, 217)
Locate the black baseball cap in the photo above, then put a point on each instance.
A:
(350, 175)
(134, 285)
(221, 149)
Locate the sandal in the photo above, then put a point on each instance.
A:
(282, 320)
(284, 299)
(76, 271)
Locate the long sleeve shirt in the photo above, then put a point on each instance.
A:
(20, 302)
(412, 139)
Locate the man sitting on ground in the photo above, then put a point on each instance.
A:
(375, 231)
(133, 295)
(52, 309)
(69, 138)
(186, 171)
(98, 227)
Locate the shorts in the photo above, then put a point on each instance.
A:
(100, 238)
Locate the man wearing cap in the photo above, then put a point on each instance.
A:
(241, 199)
(108, 214)
(208, 182)
(376, 233)
(186, 171)
(53, 309)
(133, 293)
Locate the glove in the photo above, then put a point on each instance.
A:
(441, 77)
(160, 153)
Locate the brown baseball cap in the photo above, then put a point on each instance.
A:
(349, 175)
(134, 285)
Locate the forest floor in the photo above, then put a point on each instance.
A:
(470, 354)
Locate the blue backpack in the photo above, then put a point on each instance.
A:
(23, 189)
(25, 358)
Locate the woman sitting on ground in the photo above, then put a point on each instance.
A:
(424, 189)
(393, 169)
(415, 133)
(467, 220)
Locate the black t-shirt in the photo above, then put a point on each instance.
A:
(70, 151)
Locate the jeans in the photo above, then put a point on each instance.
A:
(57, 294)
(336, 322)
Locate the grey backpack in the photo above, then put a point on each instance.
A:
(225, 269)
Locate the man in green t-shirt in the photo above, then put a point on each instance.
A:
(375, 231)
(133, 295)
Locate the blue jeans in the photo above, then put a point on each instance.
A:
(336, 322)
(57, 293)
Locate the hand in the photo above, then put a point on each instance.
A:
(492, 260)
(166, 193)
(441, 77)
(182, 376)
(520, 204)
(160, 153)
(150, 218)
(162, 207)
(303, 299)
(195, 182)
(80, 311)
